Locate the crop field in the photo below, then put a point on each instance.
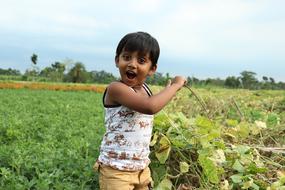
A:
(49, 139)
(212, 139)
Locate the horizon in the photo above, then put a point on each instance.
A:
(164, 74)
(204, 39)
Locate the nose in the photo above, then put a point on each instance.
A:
(132, 63)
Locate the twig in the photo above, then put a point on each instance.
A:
(272, 107)
(272, 149)
(239, 111)
(278, 150)
(200, 100)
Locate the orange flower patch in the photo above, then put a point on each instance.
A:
(50, 86)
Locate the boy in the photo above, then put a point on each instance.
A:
(129, 108)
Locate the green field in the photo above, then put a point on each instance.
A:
(50, 140)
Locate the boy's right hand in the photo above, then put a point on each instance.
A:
(180, 81)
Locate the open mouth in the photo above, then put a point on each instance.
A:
(131, 74)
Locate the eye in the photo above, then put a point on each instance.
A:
(141, 60)
(126, 57)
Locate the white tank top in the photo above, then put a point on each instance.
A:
(125, 145)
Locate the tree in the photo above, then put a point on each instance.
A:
(215, 82)
(35, 70)
(10, 71)
(46, 72)
(272, 80)
(157, 79)
(58, 70)
(248, 80)
(34, 58)
(232, 82)
(77, 74)
(102, 77)
(265, 78)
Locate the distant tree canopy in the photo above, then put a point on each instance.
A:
(34, 59)
(102, 77)
(75, 72)
(10, 72)
(158, 79)
(248, 80)
(55, 72)
(232, 82)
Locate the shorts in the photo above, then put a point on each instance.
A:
(113, 179)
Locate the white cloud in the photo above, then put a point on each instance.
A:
(217, 31)
(145, 6)
(210, 28)
(48, 18)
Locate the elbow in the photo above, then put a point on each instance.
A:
(151, 110)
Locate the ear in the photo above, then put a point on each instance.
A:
(152, 70)
(117, 61)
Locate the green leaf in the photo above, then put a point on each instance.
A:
(178, 142)
(242, 149)
(158, 172)
(218, 156)
(254, 186)
(184, 167)
(237, 178)
(162, 153)
(243, 130)
(182, 120)
(272, 120)
(154, 139)
(203, 122)
(237, 166)
(165, 184)
(247, 184)
(209, 169)
(161, 121)
(231, 122)
(253, 169)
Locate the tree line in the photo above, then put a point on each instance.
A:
(75, 72)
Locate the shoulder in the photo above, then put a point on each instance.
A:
(118, 89)
(116, 84)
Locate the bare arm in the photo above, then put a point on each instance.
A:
(119, 93)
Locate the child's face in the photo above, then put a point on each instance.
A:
(134, 67)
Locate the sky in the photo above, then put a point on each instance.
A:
(200, 38)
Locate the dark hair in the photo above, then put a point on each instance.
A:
(141, 42)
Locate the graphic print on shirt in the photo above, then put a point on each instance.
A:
(125, 145)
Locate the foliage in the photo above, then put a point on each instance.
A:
(219, 150)
(77, 74)
(102, 77)
(9, 71)
(71, 71)
(49, 139)
(158, 79)
(232, 82)
(34, 58)
(248, 80)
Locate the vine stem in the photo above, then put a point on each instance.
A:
(173, 125)
(237, 107)
(200, 100)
